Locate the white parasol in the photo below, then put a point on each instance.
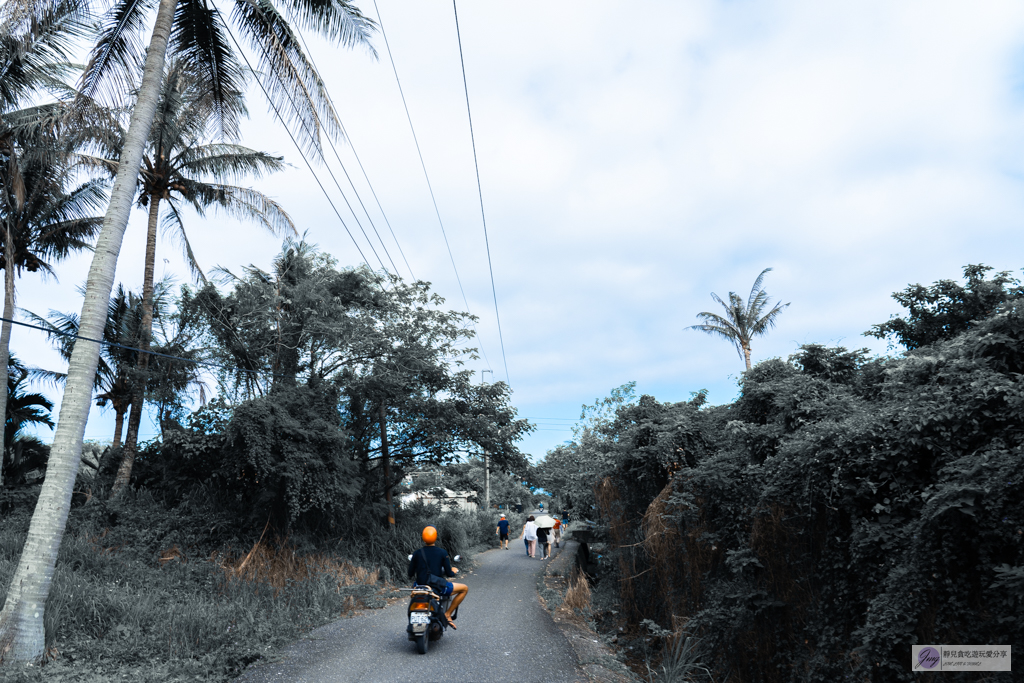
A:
(544, 521)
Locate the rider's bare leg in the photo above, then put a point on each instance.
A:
(459, 593)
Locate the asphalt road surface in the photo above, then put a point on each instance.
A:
(504, 634)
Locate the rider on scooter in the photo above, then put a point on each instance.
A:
(431, 559)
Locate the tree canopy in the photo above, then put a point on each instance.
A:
(318, 360)
(947, 308)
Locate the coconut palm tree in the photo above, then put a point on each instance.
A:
(35, 40)
(741, 321)
(197, 32)
(175, 167)
(115, 373)
(41, 222)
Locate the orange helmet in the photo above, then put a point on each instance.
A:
(429, 535)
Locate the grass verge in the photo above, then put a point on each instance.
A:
(141, 592)
(112, 615)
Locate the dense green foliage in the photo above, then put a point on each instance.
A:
(291, 450)
(947, 308)
(840, 510)
(316, 360)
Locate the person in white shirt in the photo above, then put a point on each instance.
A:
(530, 536)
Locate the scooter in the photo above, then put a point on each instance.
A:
(426, 615)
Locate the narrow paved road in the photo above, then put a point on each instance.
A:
(504, 635)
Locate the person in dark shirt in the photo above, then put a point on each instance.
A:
(542, 538)
(502, 532)
(433, 560)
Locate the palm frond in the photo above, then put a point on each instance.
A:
(173, 224)
(767, 321)
(47, 377)
(718, 326)
(36, 40)
(116, 60)
(91, 128)
(335, 19)
(245, 204)
(227, 161)
(200, 43)
(96, 163)
(61, 330)
(293, 84)
(756, 290)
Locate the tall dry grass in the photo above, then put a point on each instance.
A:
(578, 595)
(280, 565)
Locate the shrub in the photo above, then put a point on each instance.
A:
(844, 510)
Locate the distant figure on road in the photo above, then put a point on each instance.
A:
(529, 535)
(502, 532)
(431, 561)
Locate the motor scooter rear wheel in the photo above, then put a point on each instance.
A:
(422, 643)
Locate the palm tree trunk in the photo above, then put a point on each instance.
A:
(22, 638)
(131, 439)
(5, 341)
(746, 354)
(118, 426)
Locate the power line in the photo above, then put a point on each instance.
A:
(480, 192)
(423, 165)
(277, 112)
(53, 330)
(359, 198)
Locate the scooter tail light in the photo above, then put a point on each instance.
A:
(419, 605)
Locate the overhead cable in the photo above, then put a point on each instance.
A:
(480, 192)
(53, 330)
(423, 165)
(298, 148)
(344, 132)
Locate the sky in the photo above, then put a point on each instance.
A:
(633, 159)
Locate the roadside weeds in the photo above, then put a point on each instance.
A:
(565, 593)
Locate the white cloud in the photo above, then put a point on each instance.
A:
(635, 158)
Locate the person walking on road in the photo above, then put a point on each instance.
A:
(502, 532)
(557, 529)
(545, 547)
(530, 536)
(433, 561)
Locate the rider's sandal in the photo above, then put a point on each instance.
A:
(451, 624)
